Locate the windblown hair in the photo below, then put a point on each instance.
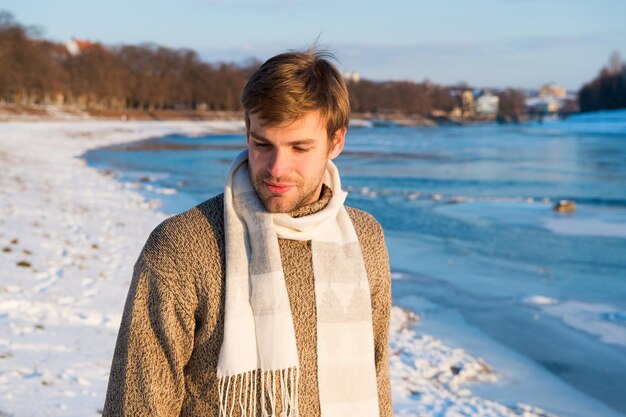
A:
(291, 84)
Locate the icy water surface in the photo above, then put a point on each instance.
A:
(474, 244)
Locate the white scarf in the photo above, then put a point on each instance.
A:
(259, 337)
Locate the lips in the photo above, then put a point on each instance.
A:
(277, 188)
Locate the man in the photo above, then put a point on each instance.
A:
(272, 298)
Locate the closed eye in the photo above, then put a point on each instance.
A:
(262, 145)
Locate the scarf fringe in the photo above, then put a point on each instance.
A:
(242, 389)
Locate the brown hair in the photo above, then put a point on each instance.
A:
(291, 84)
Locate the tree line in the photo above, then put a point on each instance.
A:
(608, 90)
(150, 77)
(399, 96)
(147, 77)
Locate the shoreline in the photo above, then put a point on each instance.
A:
(72, 235)
(49, 112)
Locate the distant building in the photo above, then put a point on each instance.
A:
(76, 46)
(552, 90)
(487, 104)
(456, 113)
(352, 76)
(552, 99)
(467, 103)
(544, 105)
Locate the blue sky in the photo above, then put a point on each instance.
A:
(499, 43)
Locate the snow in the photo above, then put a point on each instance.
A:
(586, 227)
(69, 237)
(609, 122)
(601, 320)
(432, 379)
(538, 300)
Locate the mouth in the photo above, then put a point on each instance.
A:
(277, 188)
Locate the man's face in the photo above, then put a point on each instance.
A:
(287, 161)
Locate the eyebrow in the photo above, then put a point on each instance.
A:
(305, 141)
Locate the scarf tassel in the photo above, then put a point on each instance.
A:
(242, 388)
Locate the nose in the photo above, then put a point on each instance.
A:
(278, 165)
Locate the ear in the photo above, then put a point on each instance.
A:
(339, 140)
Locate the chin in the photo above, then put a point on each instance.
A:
(274, 206)
(281, 204)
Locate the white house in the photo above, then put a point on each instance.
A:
(487, 104)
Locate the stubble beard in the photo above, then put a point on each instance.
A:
(276, 203)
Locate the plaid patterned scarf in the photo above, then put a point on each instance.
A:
(259, 349)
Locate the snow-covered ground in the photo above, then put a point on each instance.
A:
(69, 237)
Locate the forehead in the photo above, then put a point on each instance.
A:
(311, 125)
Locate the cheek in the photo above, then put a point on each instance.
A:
(313, 168)
(254, 161)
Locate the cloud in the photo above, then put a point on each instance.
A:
(521, 61)
(462, 49)
(267, 5)
(548, 42)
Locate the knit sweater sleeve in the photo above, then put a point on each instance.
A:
(376, 259)
(381, 309)
(154, 343)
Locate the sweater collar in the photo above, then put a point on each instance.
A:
(325, 196)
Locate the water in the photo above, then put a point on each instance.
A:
(475, 246)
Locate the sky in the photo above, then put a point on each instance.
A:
(483, 43)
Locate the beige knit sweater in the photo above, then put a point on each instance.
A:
(172, 327)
